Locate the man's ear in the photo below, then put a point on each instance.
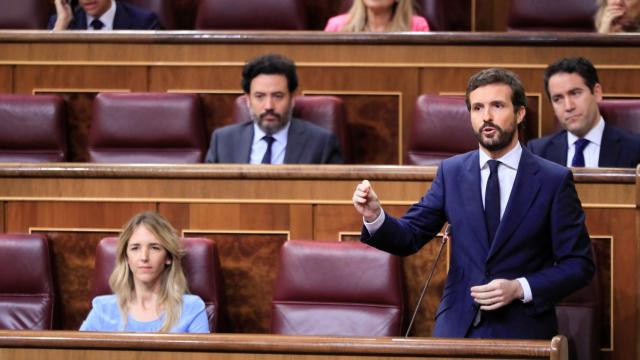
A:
(597, 92)
(521, 113)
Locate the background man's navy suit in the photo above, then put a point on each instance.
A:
(306, 144)
(541, 237)
(127, 17)
(618, 148)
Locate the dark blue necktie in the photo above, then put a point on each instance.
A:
(492, 200)
(96, 24)
(578, 157)
(266, 159)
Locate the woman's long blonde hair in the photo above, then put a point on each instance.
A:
(173, 282)
(402, 12)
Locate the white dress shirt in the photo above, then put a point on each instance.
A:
(592, 151)
(278, 148)
(106, 18)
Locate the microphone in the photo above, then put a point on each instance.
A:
(445, 237)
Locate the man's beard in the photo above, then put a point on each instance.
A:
(501, 140)
(271, 127)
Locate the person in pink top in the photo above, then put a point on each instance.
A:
(378, 16)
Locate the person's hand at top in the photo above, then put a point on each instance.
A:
(366, 202)
(616, 15)
(64, 14)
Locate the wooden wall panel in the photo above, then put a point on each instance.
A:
(77, 78)
(6, 79)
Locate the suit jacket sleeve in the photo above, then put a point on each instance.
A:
(212, 153)
(573, 262)
(331, 153)
(407, 235)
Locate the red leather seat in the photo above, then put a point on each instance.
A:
(442, 15)
(552, 15)
(26, 283)
(147, 128)
(337, 288)
(162, 9)
(442, 128)
(328, 112)
(251, 15)
(579, 319)
(201, 266)
(624, 114)
(25, 14)
(32, 128)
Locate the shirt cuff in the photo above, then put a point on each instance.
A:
(373, 226)
(526, 290)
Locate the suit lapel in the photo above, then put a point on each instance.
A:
(243, 146)
(609, 148)
(524, 191)
(558, 149)
(121, 20)
(472, 200)
(81, 21)
(295, 143)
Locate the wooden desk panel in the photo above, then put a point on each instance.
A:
(76, 345)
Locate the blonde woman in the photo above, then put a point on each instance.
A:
(148, 283)
(616, 16)
(378, 16)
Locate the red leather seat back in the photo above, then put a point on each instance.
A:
(552, 15)
(579, 319)
(26, 283)
(624, 114)
(162, 9)
(201, 267)
(147, 128)
(32, 128)
(328, 112)
(25, 14)
(441, 128)
(251, 15)
(337, 288)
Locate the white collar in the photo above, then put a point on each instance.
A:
(510, 159)
(280, 136)
(594, 135)
(107, 18)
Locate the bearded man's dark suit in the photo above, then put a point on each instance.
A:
(541, 237)
(127, 17)
(618, 148)
(306, 144)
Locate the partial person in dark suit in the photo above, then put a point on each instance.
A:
(102, 15)
(272, 135)
(519, 242)
(574, 90)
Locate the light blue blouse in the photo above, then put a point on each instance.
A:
(105, 316)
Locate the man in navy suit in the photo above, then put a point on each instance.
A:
(272, 135)
(574, 90)
(519, 242)
(102, 15)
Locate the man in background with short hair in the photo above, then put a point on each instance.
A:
(587, 140)
(272, 135)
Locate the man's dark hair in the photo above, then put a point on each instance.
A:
(270, 64)
(577, 65)
(498, 76)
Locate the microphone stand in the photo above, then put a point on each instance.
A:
(445, 237)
